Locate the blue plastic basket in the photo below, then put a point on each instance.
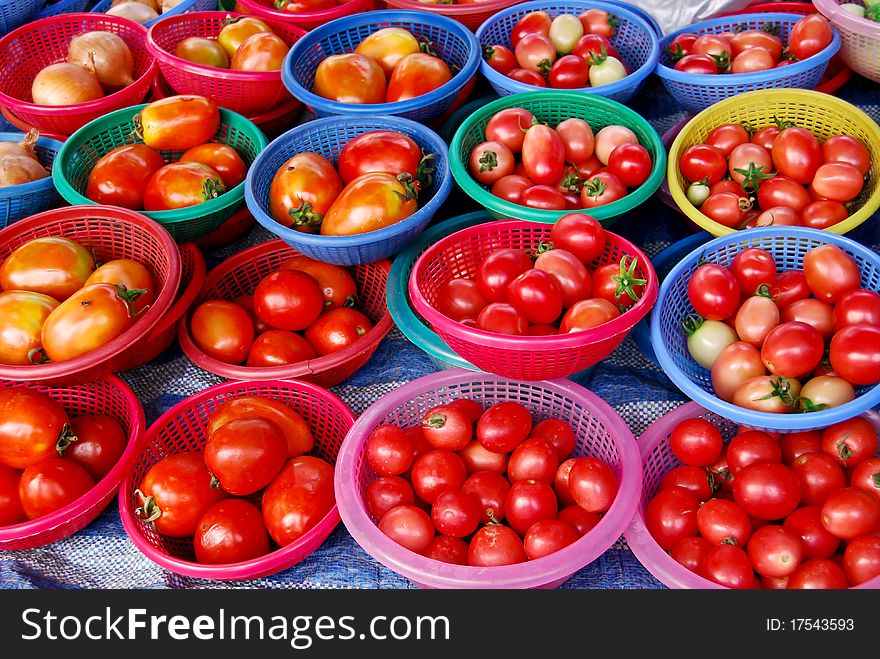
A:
(63, 7)
(788, 246)
(455, 44)
(327, 137)
(183, 8)
(15, 13)
(695, 92)
(20, 201)
(635, 39)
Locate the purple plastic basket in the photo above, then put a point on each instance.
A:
(657, 459)
(600, 433)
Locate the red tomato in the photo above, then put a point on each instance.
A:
(178, 123)
(752, 268)
(502, 318)
(408, 526)
(500, 58)
(560, 483)
(756, 317)
(577, 139)
(51, 484)
(753, 60)
(719, 520)
(790, 286)
(528, 502)
(806, 523)
(181, 185)
(693, 479)
(338, 286)
(824, 214)
(817, 573)
(850, 442)
(691, 552)
(783, 191)
(446, 427)
(569, 72)
(387, 492)
(631, 163)
(511, 188)
(495, 545)
(221, 158)
(544, 197)
(543, 155)
(498, 270)
(337, 329)
(843, 148)
(742, 41)
(288, 299)
(579, 519)
(729, 566)
(381, 151)
(792, 349)
(298, 499)
(100, 441)
(749, 165)
(131, 274)
(766, 136)
(611, 137)
(535, 22)
(547, 537)
(775, 551)
(588, 314)
(371, 202)
(448, 550)
(557, 432)
(838, 181)
(767, 490)
(857, 307)
(850, 512)
(476, 458)
(246, 454)
(263, 51)
(415, 75)
(811, 312)
(231, 531)
(602, 188)
(120, 176)
(855, 354)
(350, 78)
(751, 446)
(713, 292)
(726, 185)
(699, 64)
(509, 127)
(599, 21)
(726, 208)
(456, 513)
(570, 274)
(861, 560)
(593, 484)
(735, 365)
(726, 137)
(696, 442)
(504, 426)
(681, 45)
(594, 46)
(436, 472)
(797, 154)
(537, 296)
(810, 35)
(703, 162)
(296, 431)
(491, 161)
(459, 299)
(31, 426)
(820, 475)
(302, 191)
(672, 515)
(11, 511)
(490, 488)
(714, 45)
(866, 475)
(796, 444)
(580, 234)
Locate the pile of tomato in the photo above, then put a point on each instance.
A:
(244, 44)
(749, 51)
(778, 175)
(374, 184)
(567, 52)
(136, 176)
(565, 167)
(48, 460)
(390, 65)
(480, 487)
(251, 482)
(302, 295)
(551, 289)
(795, 341)
(57, 303)
(800, 510)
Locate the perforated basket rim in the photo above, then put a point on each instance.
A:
(422, 570)
(266, 564)
(179, 8)
(77, 108)
(832, 11)
(737, 79)
(631, 80)
(170, 59)
(103, 488)
(32, 187)
(459, 80)
(639, 539)
(23, 126)
(751, 99)
(761, 420)
(456, 11)
(261, 11)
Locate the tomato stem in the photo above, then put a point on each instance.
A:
(212, 188)
(544, 67)
(488, 51)
(753, 176)
(304, 216)
(427, 46)
(781, 390)
(488, 161)
(771, 28)
(436, 420)
(722, 61)
(65, 438)
(215, 482)
(627, 280)
(411, 190)
(38, 356)
(806, 405)
(493, 520)
(595, 187)
(542, 247)
(764, 291)
(149, 510)
(572, 182)
(425, 170)
(691, 323)
(350, 302)
(130, 296)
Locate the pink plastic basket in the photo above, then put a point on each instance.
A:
(32, 47)
(307, 20)
(860, 37)
(600, 433)
(247, 92)
(108, 396)
(470, 14)
(113, 233)
(658, 459)
(520, 357)
(182, 429)
(239, 275)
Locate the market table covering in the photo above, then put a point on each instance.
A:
(101, 556)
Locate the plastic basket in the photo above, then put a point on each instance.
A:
(182, 8)
(327, 137)
(471, 14)
(80, 153)
(36, 45)
(635, 38)
(552, 108)
(246, 92)
(20, 201)
(600, 433)
(520, 357)
(668, 138)
(108, 396)
(182, 429)
(696, 92)
(240, 274)
(113, 233)
(24, 127)
(860, 38)
(63, 7)
(455, 44)
(822, 114)
(15, 13)
(231, 230)
(788, 246)
(657, 459)
(307, 20)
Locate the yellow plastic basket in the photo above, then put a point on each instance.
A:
(824, 115)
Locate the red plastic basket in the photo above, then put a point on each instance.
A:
(240, 274)
(520, 357)
(25, 127)
(32, 47)
(107, 396)
(246, 92)
(231, 230)
(307, 20)
(182, 429)
(192, 277)
(471, 15)
(113, 233)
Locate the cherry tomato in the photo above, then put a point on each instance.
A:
(580, 234)
(534, 459)
(370, 202)
(725, 208)
(699, 64)
(231, 531)
(547, 537)
(490, 489)
(810, 35)
(753, 60)
(672, 515)
(577, 139)
(796, 444)
(509, 126)
(719, 520)
(703, 162)
(178, 123)
(631, 163)
(221, 158)
(536, 22)
(726, 137)
(490, 161)
(843, 148)
(691, 552)
(693, 479)
(495, 545)
(713, 292)
(681, 45)
(775, 551)
(850, 442)
(735, 365)
(792, 349)
(696, 442)
(408, 526)
(511, 188)
(602, 188)
(498, 270)
(528, 502)
(838, 181)
(817, 573)
(599, 21)
(120, 176)
(446, 427)
(100, 441)
(302, 191)
(415, 75)
(288, 299)
(350, 78)
(11, 511)
(861, 560)
(593, 484)
(790, 286)
(797, 154)
(298, 499)
(557, 432)
(749, 447)
(54, 266)
(767, 490)
(22, 315)
(866, 475)
(729, 566)
(806, 523)
(500, 58)
(388, 46)
(569, 72)
(543, 155)
(436, 472)
(337, 329)
(537, 295)
(387, 492)
(504, 426)
(51, 484)
(502, 318)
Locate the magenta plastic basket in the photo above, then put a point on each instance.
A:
(860, 37)
(657, 459)
(520, 357)
(108, 396)
(600, 433)
(182, 429)
(307, 20)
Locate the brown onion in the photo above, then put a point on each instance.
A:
(23, 148)
(15, 170)
(149, 3)
(133, 11)
(165, 5)
(105, 54)
(65, 84)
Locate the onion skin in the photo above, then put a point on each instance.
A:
(23, 148)
(133, 11)
(65, 84)
(16, 170)
(165, 5)
(149, 3)
(105, 54)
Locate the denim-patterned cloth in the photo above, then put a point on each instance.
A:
(102, 556)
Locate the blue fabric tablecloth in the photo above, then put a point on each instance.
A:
(101, 556)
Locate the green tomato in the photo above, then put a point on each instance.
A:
(707, 340)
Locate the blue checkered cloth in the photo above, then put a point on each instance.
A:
(101, 556)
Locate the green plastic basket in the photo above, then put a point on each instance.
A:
(552, 108)
(85, 147)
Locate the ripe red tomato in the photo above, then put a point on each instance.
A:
(178, 123)
(436, 472)
(380, 151)
(288, 299)
(498, 270)
(390, 451)
(547, 537)
(810, 35)
(543, 155)
(790, 286)
(682, 44)
(337, 329)
(456, 513)
(120, 176)
(31, 425)
(231, 531)
(866, 475)
(817, 573)
(387, 492)
(729, 566)
(861, 560)
(448, 550)
(693, 479)
(766, 136)
(577, 138)
(713, 292)
(752, 60)
(850, 442)
(500, 58)
(851, 512)
(528, 502)
(751, 446)
(747, 39)
(580, 234)
(471, 408)
(796, 444)
(296, 431)
(51, 484)
(180, 185)
(588, 314)
(720, 520)
(544, 197)
(843, 148)
(696, 442)
(631, 163)
(246, 454)
(806, 524)
(726, 208)
(783, 191)
(11, 511)
(221, 158)
(537, 296)
(459, 299)
(726, 137)
(735, 365)
(338, 286)
(602, 188)
(838, 181)
(535, 22)
(767, 490)
(491, 161)
(495, 545)
(476, 458)
(699, 64)
(797, 154)
(534, 459)
(447, 427)
(691, 552)
(592, 484)
(860, 306)
(569, 72)
(703, 162)
(855, 354)
(753, 267)
(811, 312)
(569, 272)
(557, 432)
(600, 22)
(509, 126)
(504, 426)
(370, 202)
(302, 191)
(775, 551)
(502, 318)
(54, 266)
(100, 441)
(792, 349)
(490, 488)
(672, 515)
(222, 330)
(579, 519)
(820, 475)
(263, 51)
(298, 499)
(350, 78)
(409, 526)
(415, 75)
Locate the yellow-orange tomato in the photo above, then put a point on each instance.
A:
(303, 190)
(260, 52)
(236, 30)
(22, 315)
(132, 275)
(178, 123)
(415, 75)
(350, 78)
(53, 266)
(388, 46)
(296, 430)
(370, 202)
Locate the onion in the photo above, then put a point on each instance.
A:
(133, 11)
(65, 84)
(23, 148)
(105, 54)
(15, 170)
(165, 5)
(149, 3)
